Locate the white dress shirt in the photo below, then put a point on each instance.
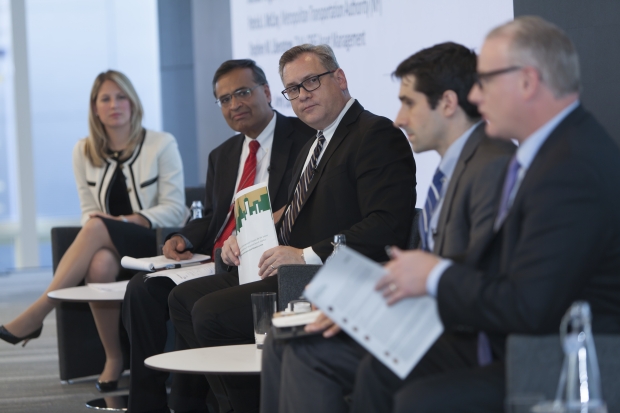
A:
(525, 155)
(263, 155)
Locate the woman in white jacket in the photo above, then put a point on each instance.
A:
(129, 180)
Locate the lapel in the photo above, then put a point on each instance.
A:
(537, 170)
(533, 174)
(343, 129)
(466, 154)
(280, 151)
(230, 166)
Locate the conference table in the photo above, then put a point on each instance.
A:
(239, 359)
(97, 293)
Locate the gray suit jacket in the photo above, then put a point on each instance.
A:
(469, 202)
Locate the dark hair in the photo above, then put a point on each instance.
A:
(230, 65)
(445, 66)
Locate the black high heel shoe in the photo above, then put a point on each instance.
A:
(106, 386)
(10, 338)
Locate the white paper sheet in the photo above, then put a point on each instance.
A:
(109, 287)
(180, 275)
(398, 335)
(256, 232)
(159, 262)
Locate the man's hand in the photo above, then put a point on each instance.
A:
(323, 323)
(231, 252)
(280, 255)
(174, 249)
(407, 274)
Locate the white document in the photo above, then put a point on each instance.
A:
(256, 232)
(398, 335)
(180, 275)
(160, 262)
(117, 286)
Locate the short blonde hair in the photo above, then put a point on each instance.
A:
(97, 141)
(323, 52)
(539, 43)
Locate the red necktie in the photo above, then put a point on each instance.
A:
(247, 179)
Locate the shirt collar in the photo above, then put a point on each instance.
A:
(529, 148)
(448, 162)
(328, 132)
(266, 135)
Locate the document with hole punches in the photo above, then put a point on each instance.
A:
(398, 335)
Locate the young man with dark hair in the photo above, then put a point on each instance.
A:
(264, 151)
(315, 374)
(555, 237)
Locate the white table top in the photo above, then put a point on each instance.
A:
(241, 359)
(85, 293)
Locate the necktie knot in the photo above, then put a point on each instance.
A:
(254, 146)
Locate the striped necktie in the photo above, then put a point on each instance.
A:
(432, 200)
(301, 190)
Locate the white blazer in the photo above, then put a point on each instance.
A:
(154, 181)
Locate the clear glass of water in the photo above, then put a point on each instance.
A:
(263, 307)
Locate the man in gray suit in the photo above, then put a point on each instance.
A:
(314, 374)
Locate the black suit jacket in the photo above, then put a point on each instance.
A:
(364, 188)
(469, 202)
(559, 243)
(289, 138)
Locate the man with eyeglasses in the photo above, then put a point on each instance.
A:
(265, 150)
(436, 115)
(555, 238)
(357, 178)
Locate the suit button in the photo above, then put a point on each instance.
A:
(128, 190)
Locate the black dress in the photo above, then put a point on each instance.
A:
(129, 239)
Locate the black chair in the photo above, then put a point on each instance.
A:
(80, 352)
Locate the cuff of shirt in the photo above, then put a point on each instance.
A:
(188, 245)
(432, 282)
(311, 258)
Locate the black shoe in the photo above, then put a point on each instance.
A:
(106, 386)
(10, 338)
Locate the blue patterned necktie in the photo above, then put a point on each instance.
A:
(301, 190)
(509, 185)
(432, 200)
(485, 355)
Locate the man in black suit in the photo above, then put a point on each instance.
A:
(243, 94)
(437, 116)
(556, 235)
(357, 178)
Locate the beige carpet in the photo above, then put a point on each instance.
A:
(29, 380)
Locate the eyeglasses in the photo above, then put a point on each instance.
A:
(310, 84)
(484, 77)
(241, 94)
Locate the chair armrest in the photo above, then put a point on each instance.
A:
(220, 267)
(62, 238)
(292, 279)
(161, 234)
(533, 365)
